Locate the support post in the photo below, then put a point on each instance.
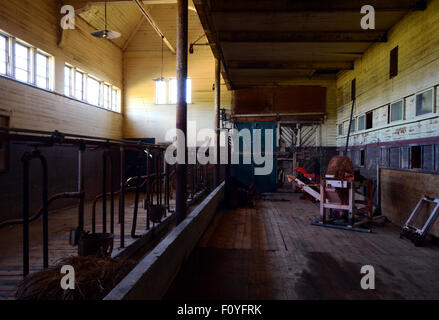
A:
(122, 198)
(182, 55)
(81, 189)
(217, 118)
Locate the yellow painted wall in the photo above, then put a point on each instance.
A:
(417, 36)
(142, 59)
(36, 22)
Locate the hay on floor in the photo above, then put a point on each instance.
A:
(95, 277)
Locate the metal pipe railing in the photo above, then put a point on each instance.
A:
(26, 159)
(156, 181)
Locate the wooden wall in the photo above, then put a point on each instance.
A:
(402, 190)
(298, 99)
(37, 22)
(418, 41)
(145, 119)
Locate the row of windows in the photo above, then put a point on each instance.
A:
(166, 91)
(82, 86)
(28, 64)
(419, 157)
(25, 63)
(397, 111)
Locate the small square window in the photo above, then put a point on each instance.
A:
(22, 62)
(362, 123)
(173, 89)
(160, 91)
(424, 103)
(340, 129)
(93, 91)
(42, 71)
(115, 100)
(362, 158)
(107, 97)
(416, 152)
(3, 54)
(369, 120)
(397, 111)
(68, 74)
(79, 85)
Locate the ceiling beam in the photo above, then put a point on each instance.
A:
(154, 25)
(311, 6)
(292, 65)
(303, 36)
(84, 5)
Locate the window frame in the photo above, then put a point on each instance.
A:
(171, 91)
(369, 118)
(391, 110)
(87, 91)
(433, 99)
(29, 61)
(48, 67)
(364, 123)
(115, 106)
(7, 53)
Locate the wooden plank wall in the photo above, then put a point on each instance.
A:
(402, 190)
(416, 36)
(295, 99)
(37, 22)
(143, 63)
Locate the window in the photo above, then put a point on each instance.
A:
(68, 83)
(79, 85)
(3, 54)
(369, 120)
(424, 102)
(25, 63)
(362, 158)
(85, 87)
(394, 62)
(42, 71)
(160, 91)
(340, 129)
(416, 157)
(22, 62)
(397, 111)
(362, 123)
(106, 97)
(93, 91)
(115, 100)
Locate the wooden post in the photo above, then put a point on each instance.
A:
(217, 118)
(322, 203)
(182, 54)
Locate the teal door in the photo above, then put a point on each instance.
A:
(265, 181)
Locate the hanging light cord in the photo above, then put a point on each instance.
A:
(161, 75)
(105, 15)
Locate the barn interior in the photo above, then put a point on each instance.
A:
(336, 102)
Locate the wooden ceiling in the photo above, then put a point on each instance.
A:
(123, 15)
(268, 43)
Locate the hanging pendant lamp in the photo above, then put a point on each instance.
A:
(106, 34)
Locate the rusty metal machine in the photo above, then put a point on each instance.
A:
(342, 206)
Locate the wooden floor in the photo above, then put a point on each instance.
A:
(60, 223)
(273, 252)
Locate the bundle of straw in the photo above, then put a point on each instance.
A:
(94, 279)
